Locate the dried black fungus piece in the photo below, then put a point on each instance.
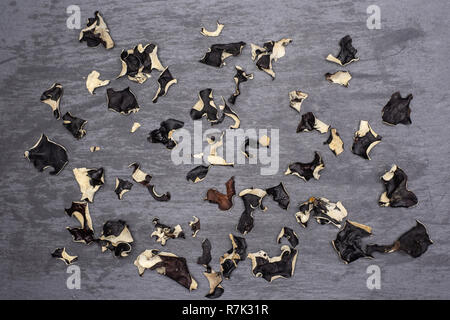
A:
(306, 171)
(271, 51)
(296, 99)
(52, 97)
(195, 226)
(347, 54)
(215, 284)
(339, 77)
(229, 261)
(252, 199)
(164, 232)
(197, 174)
(214, 158)
(280, 195)
(217, 53)
(228, 112)
(224, 201)
(309, 122)
(122, 187)
(122, 101)
(158, 197)
(289, 234)
(239, 77)
(96, 32)
(397, 110)
(365, 139)
(90, 181)
(205, 106)
(84, 233)
(93, 82)
(164, 133)
(335, 142)
(348, 241)
(47, 153)
(270, 269)
(321, 209)
(138, 63)
(94, 148)
(205, 259)
(397, 193)
(165, 80)
(143, 178)
(116, 237)
(167, 264)
(414, 242)
(74, 125)
(214, 33)
(263, 141)
(61, 254)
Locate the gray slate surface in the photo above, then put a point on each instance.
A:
(409, 54)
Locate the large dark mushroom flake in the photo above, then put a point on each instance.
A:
(397, 110)
(122, 101)
(306, 171)
(144, 179)
(116, 237)
(122, 187)
(167, 264)
(139, 62)
(165, 80)
(164, 133)
(46, 153)
(271, 51)
(217, 53)
(347, 54)
(239, 77)
(309, 122)
(229, 261)
(205, 259)
(270, 269)
(61, 254)
(90, 181)
(289, 234)
(365, 139)
(84, 233)
(215, 284)
(197, 174)
(397, 193)
(348, 241)
(96, 32)
(164, 232)
(414, 242)
(252, 199)
(280, 195)
(205, 106)
(224, 201)
(321, 209)
(52, 97)
(335, 142)
(74, 125)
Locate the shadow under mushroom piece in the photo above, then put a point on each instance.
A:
(306, 171)
(348, 241)
(252, 199)
(96, 32)
(144, 179)
(122, 187)
(122, 101)
(90, 181)
(229, 261)
(52, 97)
(217, 53)
(365, 139)
(84, 233)
(224, 201)
(138, 63)
(74, 125)
(335, 142)
(397, 193)
(61, 254)
(47, 153)
(239, 77)
(290, 235)
(347, 54)
(164, 232)
(280, 195)
(165, 132)
(321, 209)
(269, 52)
(397, 110)
(116, 237)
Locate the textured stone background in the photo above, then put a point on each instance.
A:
(409, 54)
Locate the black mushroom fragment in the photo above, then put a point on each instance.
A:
(347, 54)
(85, 232)
(165, 80)
(46, 153)
(217, 53)
(280, 195)
(306, 171)
(270, 269)
(397, 193)
(309, 122)
(228, 112)
(263, 141)
(122, 187)
(224, 201)
(205, 107)
(239, 77)
(93, 81)
(90, 181)
(335, 142)
(195, 226)
(296, 99)
(215, 284)
(252, 199)
(348, 241)
(138, 63)
(163, 232)
(144, 179)
(321, 209)
(269, 52)
(74, 125)
(205, 258)
(397, 110)
(214, 33)
(96, 32)
(414, 242)
(167, 264)
(290, 235)
(365, 139)
(122, 101)
(52, 97)
(229, 261)
(197, 174)
(165, 132)
(61, 254)
(116, 236)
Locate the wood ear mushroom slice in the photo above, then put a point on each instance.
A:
(214, 33)
(84, 233)
(61, 254)
(271, 51)
(263, 141)
(74, 125)
(365, 139)
(93, 82)
(309, 122)
(122, 187)
(94, 148)
(335, 142)
(348, 241)
(205, 259)
(205, 106)
(347, 54)
(197, 174)
(52, 97)
(163, 232)
(139, 62)
(96, 32)
(280, 195)
(321, 209)
(414, 242)
(252, 199)
(217, 53)
(224, 201)
(46, 153)
(397, 193)
(215, 284)
(306, 171)
(116, 237)
(165, 80)
(397, 110)
(296, 99)
(214, 158)
(195, 226)
(167, 264)
(135, 126)
(164, 133)
(339, 77)
(289, 234)
(270, 269)
(239, 77)
(144, 179)
(90, 181)
(122, 101)
(229, 261)
(227, 111)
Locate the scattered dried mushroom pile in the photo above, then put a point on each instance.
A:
(137, 64)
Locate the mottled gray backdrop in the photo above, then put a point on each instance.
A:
(409, 54)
